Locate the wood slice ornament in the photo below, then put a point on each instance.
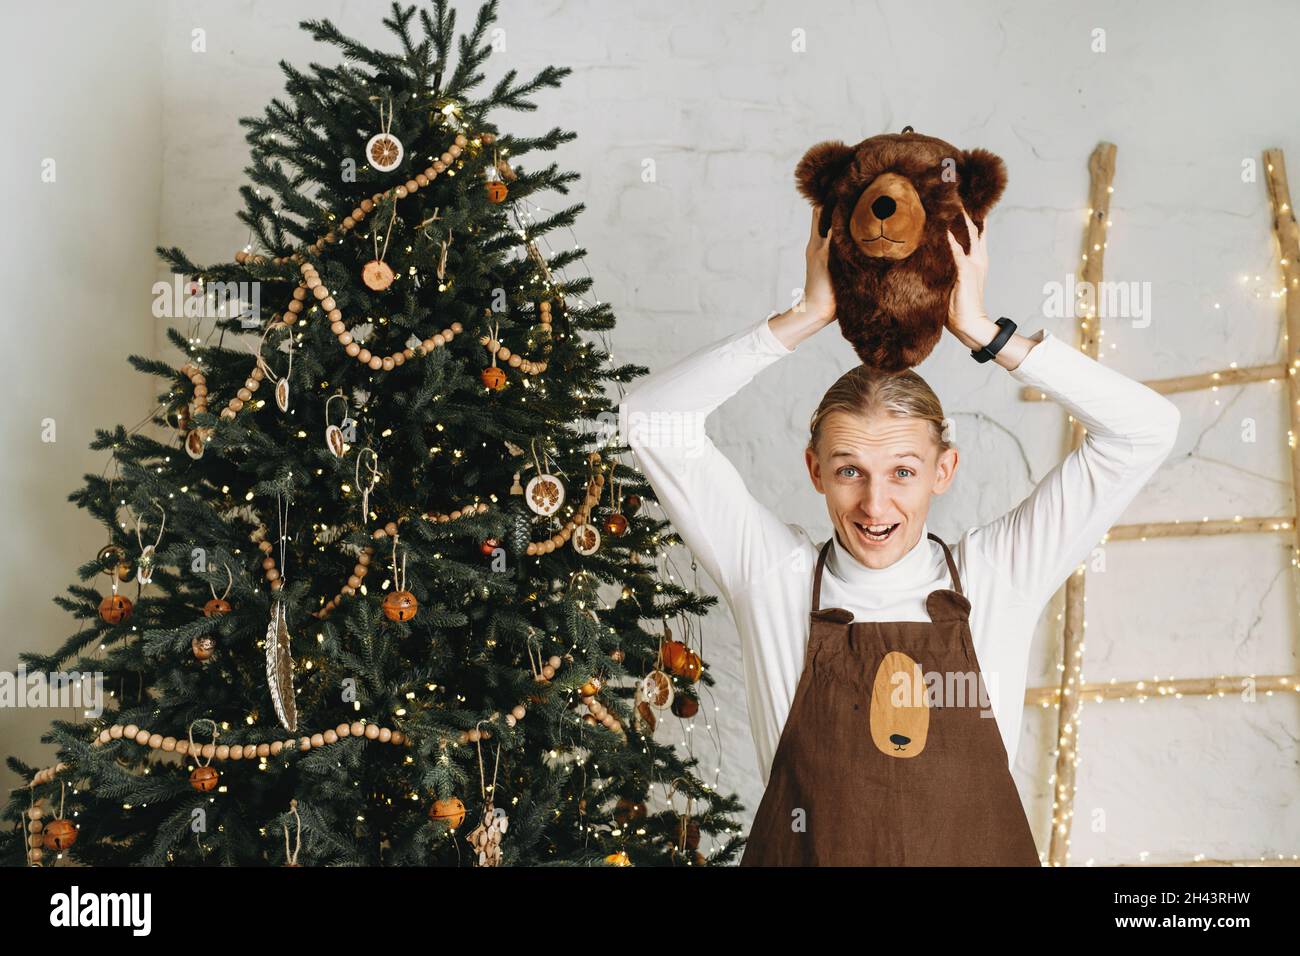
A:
(377, 274)
(384, 151)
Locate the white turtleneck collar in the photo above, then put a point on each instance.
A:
(916, 565)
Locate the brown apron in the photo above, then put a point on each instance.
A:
(869, 770)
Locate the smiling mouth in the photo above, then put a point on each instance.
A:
(876, 533)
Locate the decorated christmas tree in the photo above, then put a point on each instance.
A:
(377, 587)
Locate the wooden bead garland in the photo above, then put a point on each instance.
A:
(470, 510)
(362, 566)
(269, 569)
(366, 206)
(599, 713)
(196, 437)
(581, 517)
(359, 572)
(312, 283)
(512, 359)
(254, 751)
(35, 833)
(251, 751)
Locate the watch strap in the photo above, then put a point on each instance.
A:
(1005, 329)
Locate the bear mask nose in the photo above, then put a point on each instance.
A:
(888, 220)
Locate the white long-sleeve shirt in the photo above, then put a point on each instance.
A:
(1009, 567)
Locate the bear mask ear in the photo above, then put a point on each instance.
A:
(983, 177)
(816, 174)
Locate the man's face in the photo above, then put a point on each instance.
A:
(878, 471)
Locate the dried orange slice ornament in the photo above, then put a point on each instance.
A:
(586, 539)
(544, 494)
(656, 689)
(384, 152)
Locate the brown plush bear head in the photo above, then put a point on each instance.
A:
(889, 202)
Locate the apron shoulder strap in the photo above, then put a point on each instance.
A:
(952, 565)
(817, 575)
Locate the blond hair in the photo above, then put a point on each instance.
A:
(865, 391)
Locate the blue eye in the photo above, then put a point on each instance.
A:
(844, 469)
(908, 470)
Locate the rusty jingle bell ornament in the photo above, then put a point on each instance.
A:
(219, 605)
(400, 605)
(450, 811)
(204, 779)
(615, 523)
(495, 185)
(115, 608)
(59, 834)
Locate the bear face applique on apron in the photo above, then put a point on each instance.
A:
(889, 757)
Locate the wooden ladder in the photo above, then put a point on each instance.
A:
(1068, 697)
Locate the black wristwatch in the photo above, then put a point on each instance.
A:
(1005, 328)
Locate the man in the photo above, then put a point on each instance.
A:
(857, 772)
